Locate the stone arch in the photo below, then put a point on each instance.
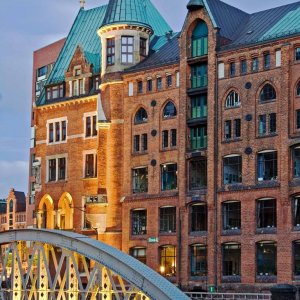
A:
(45, 215)
(65, 212)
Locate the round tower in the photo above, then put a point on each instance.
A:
(125, 34)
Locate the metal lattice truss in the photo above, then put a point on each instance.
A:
(43, 264)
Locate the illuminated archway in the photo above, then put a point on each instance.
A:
(45, 215)
(65, 212)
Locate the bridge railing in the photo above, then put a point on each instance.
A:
(227, 296)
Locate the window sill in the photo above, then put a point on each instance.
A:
(198, 278)
(142, 122)
(89, 178)
(266, 101)
(90, 137)
(233, 107)
(171, 233)
(57, 182)
(270, 135)
(198, 233)
(267, 230)
(168, 149)
(165, 118)
(139, 153)
(234, 140)
(56, 143)
(266, 278)
(231, 232)
(231, 278)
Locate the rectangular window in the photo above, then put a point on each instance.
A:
(266, 259)
(296, 254)
(297, 53)
(199, 106)
(90, 166)
(127, 49)
(81, 87)
(144, 142)
(255, 64)
(298, 119)
(272, 123)
(267, 61)
(267, 166)
(57, 131)
(296, 161)
(42, 71)
(198, 137)
(199, 46)
(51, 132)
(198, 218)
(167, 219)
(169, 80)
(63, 130)
(159, 83)
(94, 126)
(140, 87)
(198, 174)
(143, 47)
(266, 213)
(130, 89)
(199, 76)
(149, 85)
(110, 51)
(262, 125)
(237, 128)
(227, 130)
(168, 177)
(90, 126)
(231, 215)
(140, 180)
(232, 69)
(221, 70)
(173, 137)
(232, 170)
(139, 254)
(62, 168)
(165, 139)
(278, 58)
(75, 88)
(55, 92)
(136, 143)
(168, 261)
(198, 260)
(52, 170)
(243, 66)
(231, 259)
(139, 222)
(177, 75)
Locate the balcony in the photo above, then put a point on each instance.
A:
(199, 81)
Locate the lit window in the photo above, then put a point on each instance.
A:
(267, 165)
(198, 260)
(139, 222)
(198, 218)
(168, 177)
(168, 261)
(231, 215)
(127, 49)
(110, 51)
(233, 100)
(141, 116)
(267, 93)
(232, 168)
(140, 180)
(139, 254)
(266, 258)
(266, 213)
(169, 110)
(90, 165)
(231, 259)
(167, 219)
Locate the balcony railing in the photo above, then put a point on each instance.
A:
(199, 81)
(199, 143)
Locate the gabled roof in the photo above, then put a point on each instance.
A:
(166, 55)
(132, 12)
(84, 34)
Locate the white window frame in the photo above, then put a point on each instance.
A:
(278, 57)
(56, 157)
(221, 70)
(60, 120)
(130, 89)
(233, 101)
(84, 153)
(85, 116)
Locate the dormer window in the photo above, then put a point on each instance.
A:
(77, 72)
(143, 47)
(127, 50)
(55, 92)
(110, 51)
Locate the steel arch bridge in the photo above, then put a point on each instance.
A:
(50, 264)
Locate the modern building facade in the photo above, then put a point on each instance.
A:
(181, 149)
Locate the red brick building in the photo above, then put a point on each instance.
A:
(181, 149)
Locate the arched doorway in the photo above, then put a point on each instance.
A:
(45, 213)
(65, 212)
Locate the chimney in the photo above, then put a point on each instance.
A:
(82, 3)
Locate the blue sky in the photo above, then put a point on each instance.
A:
(27, 25)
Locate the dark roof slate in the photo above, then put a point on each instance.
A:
(20, 201)
(166, 55)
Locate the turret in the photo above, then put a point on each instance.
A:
(125, 34)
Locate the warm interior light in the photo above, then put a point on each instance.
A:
(162, 269)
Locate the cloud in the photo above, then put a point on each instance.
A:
(14, 174)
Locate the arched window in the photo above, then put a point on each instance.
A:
(233, 100)
(141, 116)
(170, 110)
(11, 206)
(298, 89)
(200, 40)
(44, 216)
(267, 93)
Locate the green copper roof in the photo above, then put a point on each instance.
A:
(132, 12)
(195, 4)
